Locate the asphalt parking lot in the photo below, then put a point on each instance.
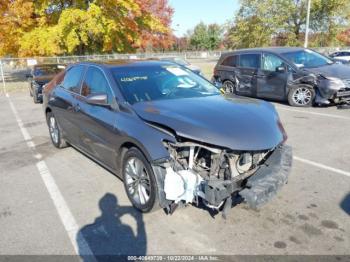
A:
(57, 201)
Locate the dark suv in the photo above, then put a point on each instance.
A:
(39, 76)
(300, 76)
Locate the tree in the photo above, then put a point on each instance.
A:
(16, 18)
(260, 23)
(344, 37)
(206, 37)
(54, 27)
(163, 39)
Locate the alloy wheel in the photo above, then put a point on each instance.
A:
(302, 96)
(137, 181)
(53, 129)
(229, 87)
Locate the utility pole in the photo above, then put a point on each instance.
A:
(307, 24)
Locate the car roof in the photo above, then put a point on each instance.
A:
(278, 50)
(124, 63)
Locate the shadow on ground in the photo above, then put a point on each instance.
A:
(108, 238)
(345, 204)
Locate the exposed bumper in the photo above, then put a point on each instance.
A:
(343, 95)
(270, 177)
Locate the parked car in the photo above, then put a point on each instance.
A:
(39, 76)
(341, 56)
(183, 62)
(169, 133)
(297, 75)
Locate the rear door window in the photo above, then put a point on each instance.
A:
(249, 61)
(231, 61)
(72, 79)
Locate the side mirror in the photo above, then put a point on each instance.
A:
(97, 99)
(280, 69)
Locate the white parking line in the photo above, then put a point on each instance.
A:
(312, 113)
(332, 169)
(78, 241)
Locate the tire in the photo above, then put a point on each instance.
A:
(54, 131)
(301, 96)
(229, 87)
(36, 100)
(139, 181)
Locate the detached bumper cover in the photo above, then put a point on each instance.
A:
(343, 95)
(270, 177)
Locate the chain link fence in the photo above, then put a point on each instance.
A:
(21, 63)
(15, 69)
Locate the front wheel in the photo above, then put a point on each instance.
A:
(54, 130)
(301, 96)
(139, 181)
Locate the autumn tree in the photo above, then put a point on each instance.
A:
(163, 39)
(344, 37)
(16, 19)
(55, 27)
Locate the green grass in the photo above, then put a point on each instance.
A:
(206, 67)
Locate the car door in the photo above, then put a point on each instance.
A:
(246, 74)
(345, 56)
(97, 121)
(272, 77)
(64, 103)
(226, 70)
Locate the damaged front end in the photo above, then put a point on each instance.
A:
(199, 172)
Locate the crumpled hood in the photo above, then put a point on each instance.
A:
(340, 71)
(225, 121)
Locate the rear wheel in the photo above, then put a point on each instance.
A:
(30, 89)
(301, 96)
(35, 97)
(229, 87)
(54, 130)
(139, 181)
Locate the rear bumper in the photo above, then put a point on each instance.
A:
(269, 178)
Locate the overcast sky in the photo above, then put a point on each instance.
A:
(188, 13)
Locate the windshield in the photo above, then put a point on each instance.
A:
(307, 58)
(161, 82)
(47, 70)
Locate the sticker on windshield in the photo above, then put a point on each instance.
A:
(133, 78)
(177, 71)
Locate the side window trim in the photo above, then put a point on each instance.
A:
(80, 80)
(253, 53)
(104, 75)
(280, 57)
(230, 58)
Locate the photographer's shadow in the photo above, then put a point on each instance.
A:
(108, 237)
